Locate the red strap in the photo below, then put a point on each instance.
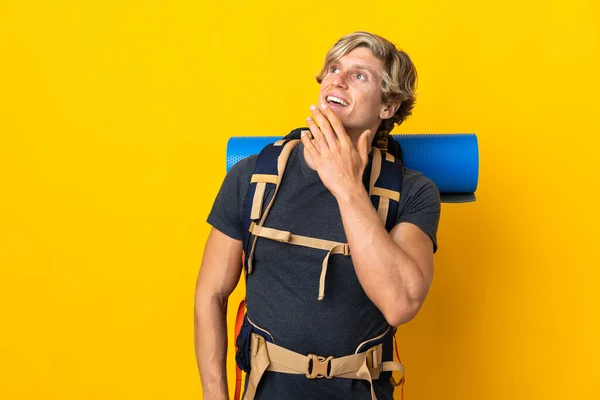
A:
(239, 320)
(238, 383)
(396, 347)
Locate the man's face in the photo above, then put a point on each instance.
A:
(355, 81)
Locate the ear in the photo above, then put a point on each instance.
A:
(388, 110)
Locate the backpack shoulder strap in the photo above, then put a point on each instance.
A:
(384, 186)
(268, 173)
(390, 145)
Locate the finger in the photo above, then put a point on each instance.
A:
(318, 137)
(310, 136)
(308, 133)
(325, 126)
(336, 125)
(313, 153)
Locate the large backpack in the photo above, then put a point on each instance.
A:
(386, 173)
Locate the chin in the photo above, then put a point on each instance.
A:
(339, 112)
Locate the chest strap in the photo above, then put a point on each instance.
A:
(287, 237)
(266, 356)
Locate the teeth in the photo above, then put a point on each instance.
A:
(336, 100)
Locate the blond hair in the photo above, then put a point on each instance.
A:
(399, 78)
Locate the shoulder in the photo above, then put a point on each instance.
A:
(419, 189)
(414, 181)
(242, 171)
(420, 203)
(236, 182)
(244, 167)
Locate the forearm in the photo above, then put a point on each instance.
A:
(388, 275)
(211, 345)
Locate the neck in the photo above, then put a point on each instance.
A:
(354, 135)
(357, 132)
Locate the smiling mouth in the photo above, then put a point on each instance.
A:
(336, 100)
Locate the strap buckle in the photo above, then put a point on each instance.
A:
(346, 249)
(373, 361)
(318, 366)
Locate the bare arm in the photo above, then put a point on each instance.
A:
(396, 269)
(219, 274)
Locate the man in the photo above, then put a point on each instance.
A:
(366, 86)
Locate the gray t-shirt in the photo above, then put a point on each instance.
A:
(282, 291)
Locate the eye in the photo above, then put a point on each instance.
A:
(334, 69)
(361, 77)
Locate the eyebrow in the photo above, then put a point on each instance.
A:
(363, 67)
(357, 66)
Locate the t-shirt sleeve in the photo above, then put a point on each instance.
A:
(422, 208)
(226, 212)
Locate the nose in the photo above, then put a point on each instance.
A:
(339, 80)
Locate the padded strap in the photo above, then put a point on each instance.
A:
(390, 194)
(385, 195)
(257, 202)
(282, 160)
(375, 169)
(383, 209)
(382, 205)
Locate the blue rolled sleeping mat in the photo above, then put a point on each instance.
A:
(451, 161)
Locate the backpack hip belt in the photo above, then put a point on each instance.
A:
(267, 356)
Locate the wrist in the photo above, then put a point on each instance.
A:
(352, 194)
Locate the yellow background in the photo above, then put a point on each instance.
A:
(114, 117)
